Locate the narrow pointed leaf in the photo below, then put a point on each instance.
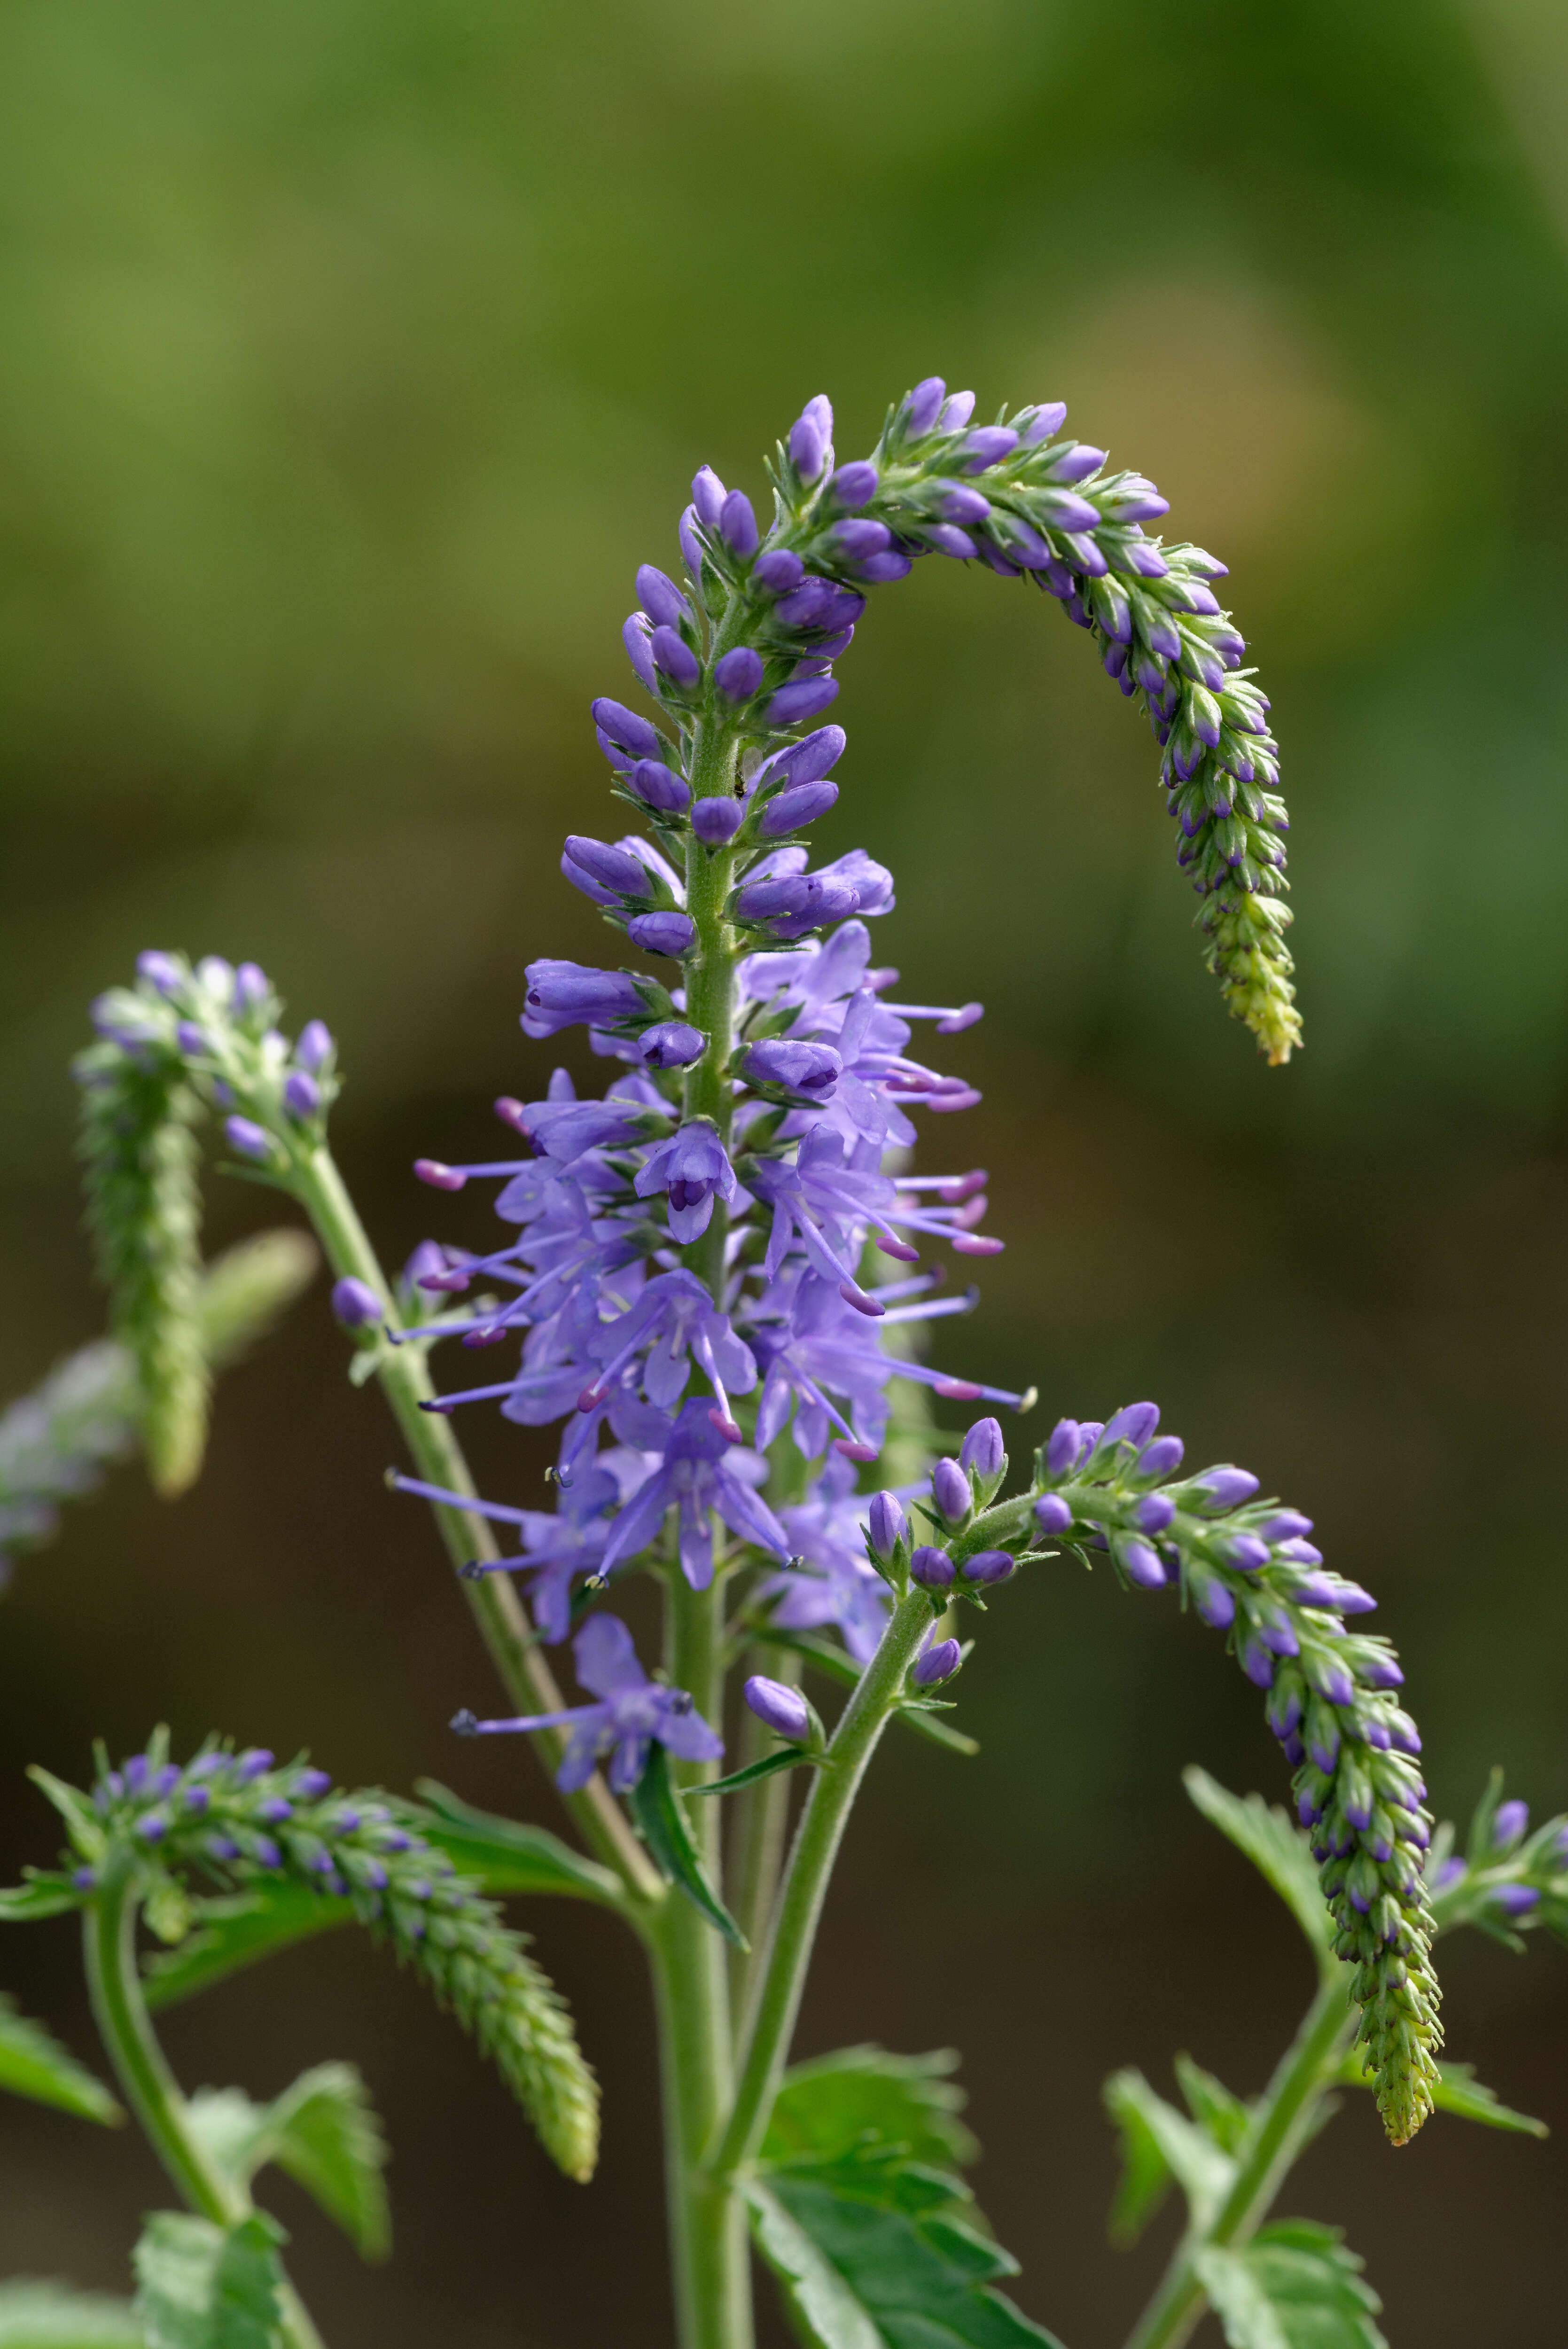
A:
(1277, 1850)
(657, 1811)
(207, 2287)
(49, 2316)
(787, 1758)
(82, 1822)
(34, 2065)
(507, 1855)
(47, 1893)
(1222, 2117)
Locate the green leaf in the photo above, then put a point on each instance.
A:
(658, 1813)
(47, 1893)
(1457, 2091)
(1277, 1850)
(82, 1822)
(789, 1757)
(49, 2316)
(1155, 2133)
(34, 2065)
(857, 2274)
(322, 2131)
(1222, 2117)
(506, 1855)
(207, 2287)
(234, 1931)
(828, 2108)
(1292, 2287)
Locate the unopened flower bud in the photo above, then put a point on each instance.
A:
(982, 1448)
(665, 932)
(160, 970)
(739, 674)
(356, 1304)
(937, 1662)
(1154, 1513)
(811, 1069)
(715, 820)
(737, 524)
(658, 785)
(708, 495)
(801, 698)
(1052, 1513)
(670, 1044)
(925, 405)
(1225, 1488)
(950, 1489)
(1162, 1458)
(779, 571)
(988, 1566)
(853, 484)
(660, 598)
(251, 1139)
(1134, 1423)
(1509, 1824)
(675, 657)
(932, 1569)
(1062, 1446)
(315, 1047)
(802, 803)
(781, 1707)
(887, 1525)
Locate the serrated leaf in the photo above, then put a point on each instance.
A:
(858, 2274)
(767, 1766)
(829, 2107)
(207, 2287)
(506, 1855)
(1222, 2117)
(322, 2131)
(1276, 1849)
(49, 2316)
(47, 1893)
(34, 2065)
(1150, 2126)
(235, 1932)
(659, 1814)
(1293, 2286)
(1457, 2091)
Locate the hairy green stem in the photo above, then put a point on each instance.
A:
(404, 1381)
(1279, 2129)
(822, 1823)
(149, 2087)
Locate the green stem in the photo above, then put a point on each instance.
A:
(1279, 2129)
(148, 2086)
(822, 1822)
(405, 1382)
(760, 1819)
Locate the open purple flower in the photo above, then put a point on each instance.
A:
(692, 1170)
(701, 1477)
(631, 1714)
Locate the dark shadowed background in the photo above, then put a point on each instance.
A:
(351, 358)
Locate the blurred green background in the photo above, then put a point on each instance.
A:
(351, 358)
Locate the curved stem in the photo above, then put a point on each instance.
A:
(817, 1841)
(405, 1382)
(1279, 2130)
(149, 2087)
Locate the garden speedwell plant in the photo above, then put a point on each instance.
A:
(715, 1278)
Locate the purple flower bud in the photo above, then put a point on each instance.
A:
(811, 1068)
(1509, 1824)
(1154, 1513)
(1246, 1552)
(1516, 1899)
(932, 1569)
(739, 674)
(982, 1449)
(881, 568)
(708, 495)
(612, 868)
(302, 1094)
(1285, 1524)
(251, 988)
(962, 505)
(190, 1039)
(1052, 1513)
(782, 1708)
(958, 412)
(861, 537)
(779, 571)
(1143, 1563)
(789, 810)
(938, 1662)
(1161, 1457)
(315, 1047)
(248, 1138)
(1038, 424)
(659, 786)
(803, 697)
(764, 901)
(660, 597)
(1062, 1450)
(626, 730)
(988, 446)
(634, 635)
(949, 539)
(1134, 1423)
(313, 1784)
(715, 820)
(160, 970)
(1213, 1601)
(356, 1304)
(1225, 1488)
(853, 484)
(808, 761)
(675, 657)
(988, 1566)
(807, 447)
(925, 405)
(664, 933)
(672, 1044)
(1076, 462)
(950, 1489)
(888, 1524)
(739, 524)
(254, 1762)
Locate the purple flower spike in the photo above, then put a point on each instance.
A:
(672, 1044)
(251, 1139)
(715, 820)
(708, 495)
(853, 484)
(950, 1490)
(315, 1047)
(803, 697)
(664, 933)
(302, 1094)
(737, 525)
(660, 598)
(1509, 1824)
(658, 786)
(813, 1069)
(779, 1706)
(1162, 1458)
(932, 1569)
(675, 657)
(925, 405)
(887, 1523)
(982, 1449)
(779, 571)
(356, 1303)
(739, 674)
(1052, 1513)
(788, 811)
(937, 1662)
(988, 1566)
(1062, 1449)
